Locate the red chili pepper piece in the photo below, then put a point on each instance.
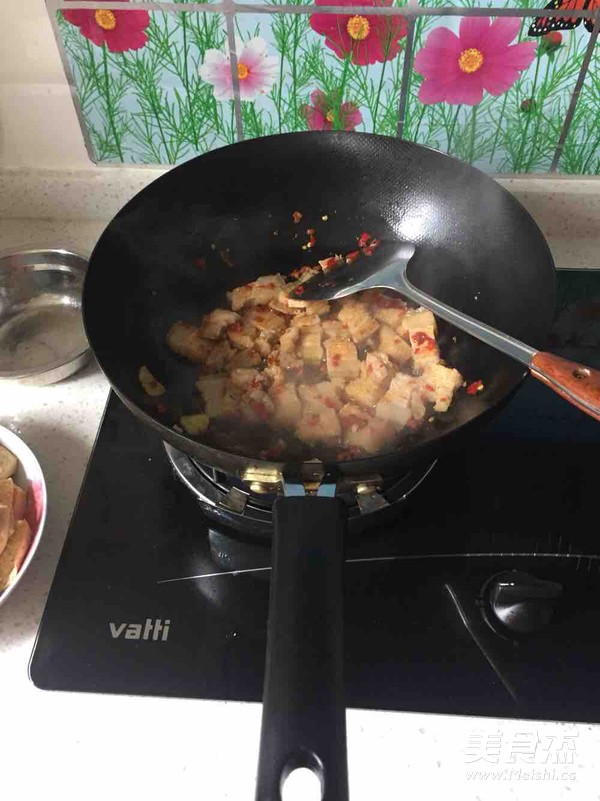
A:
(368, 250)
(299, 290)
(475, 387)
(296, 216)
(424, 340)
(353, 256)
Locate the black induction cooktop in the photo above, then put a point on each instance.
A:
(482, 597)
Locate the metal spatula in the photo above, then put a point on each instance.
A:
(386, 269)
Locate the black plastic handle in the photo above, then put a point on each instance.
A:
(304, 714)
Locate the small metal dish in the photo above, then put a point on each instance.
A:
(42, 339)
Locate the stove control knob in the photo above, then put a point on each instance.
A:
(519, 603)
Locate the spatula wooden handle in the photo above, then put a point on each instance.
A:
(576, 383)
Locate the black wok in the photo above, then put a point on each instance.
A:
(224, 218)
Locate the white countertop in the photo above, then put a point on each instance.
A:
(98, 746)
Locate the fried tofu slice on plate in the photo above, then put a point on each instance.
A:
(7, 492)
(19, 502)
(13, 555)
(8, 463)
(6, 525)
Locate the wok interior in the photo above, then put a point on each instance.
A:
(477, 249)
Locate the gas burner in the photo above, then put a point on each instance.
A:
(247, 506)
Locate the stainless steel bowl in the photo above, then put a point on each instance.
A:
(42, 339)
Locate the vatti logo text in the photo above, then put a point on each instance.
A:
(154, 630)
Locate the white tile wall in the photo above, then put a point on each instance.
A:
(38, 125)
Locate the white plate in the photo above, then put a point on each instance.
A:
(29, 476)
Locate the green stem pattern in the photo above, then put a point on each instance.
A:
(538, 119)
(498, 129)
(517, 167)
(109, 106)
(452, 129)
(336, 111)
(473, 131)
(186, 80)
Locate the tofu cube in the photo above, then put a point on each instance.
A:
(219, 357)
(318, 307)
(342, 359)
(242, 335)
(265, 320)
(280, 303)
(364, 391)
(259, 293)
(289, 339)
(438, 385)
(217, 399)
(371, 437)
(306, 321)
(352, 415)
(319, 426)
(396, 406)
(318, 395)
(310, 348)
(392, 317)
(274, 373)
(150, 384)
(257, 407)
(393, 344)
(290, 362)
(421, 328)
(245, 358)
(334, 329)
(186, 340)
(264, 344)
(216, 322)
(194, 424)
(377, 368)
(288, 408)
(358, 320)
(246, 378)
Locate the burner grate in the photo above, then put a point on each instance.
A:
(230, 500)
